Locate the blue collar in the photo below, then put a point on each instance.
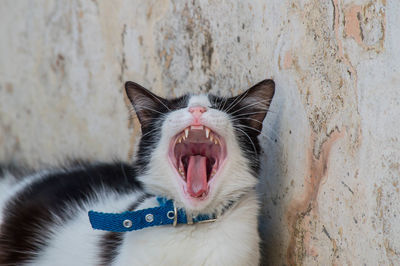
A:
(167, 213)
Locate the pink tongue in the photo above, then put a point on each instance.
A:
(197, 175)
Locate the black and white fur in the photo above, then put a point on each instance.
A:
(43, 216)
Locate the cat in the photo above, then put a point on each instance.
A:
(197, 153)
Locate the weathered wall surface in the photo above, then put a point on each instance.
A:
(330, 181)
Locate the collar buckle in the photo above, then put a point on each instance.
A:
(211, 220)
(202, 221)
(190, 220)
(175, 216)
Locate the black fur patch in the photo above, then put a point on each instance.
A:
(28, 216)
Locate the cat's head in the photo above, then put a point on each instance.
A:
(201, 151)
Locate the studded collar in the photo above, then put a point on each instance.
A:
(165, 214)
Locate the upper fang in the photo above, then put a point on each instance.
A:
(186, 132)
(207, 132)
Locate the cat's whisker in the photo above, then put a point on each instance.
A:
(247, 118)
(267, 109)
(251, 141)
(260, 132)
(140, 108)
(151, 131)
(225, 101)
(34, 253)
(270, 129)
(160, 102)
(249, 128)
(250, 105)
(236, 101)
(133, 115)
(222, 103)
(252, 113)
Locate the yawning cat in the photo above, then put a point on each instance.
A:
(188, 199)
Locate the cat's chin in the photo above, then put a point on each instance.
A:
(197, 154)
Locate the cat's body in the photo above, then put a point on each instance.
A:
(194, 150)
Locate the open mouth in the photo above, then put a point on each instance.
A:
(197, 153)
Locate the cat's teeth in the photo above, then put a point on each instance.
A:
(181, 172)
(207, 132)
(215, 141)
(211, 137)
(197, 127)
(179, 140)
(186, 132)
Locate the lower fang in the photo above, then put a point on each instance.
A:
(181, 172)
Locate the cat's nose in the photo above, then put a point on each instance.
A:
(197, 111)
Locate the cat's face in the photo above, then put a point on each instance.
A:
(200, 150)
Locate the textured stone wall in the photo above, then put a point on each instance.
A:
(330, 180)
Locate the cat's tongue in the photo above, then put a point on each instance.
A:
(197, 175)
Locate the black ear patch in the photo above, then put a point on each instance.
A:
(255, 102)
(252, 106)
(247, 112)
(147, 105)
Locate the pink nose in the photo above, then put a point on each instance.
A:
(197, 111)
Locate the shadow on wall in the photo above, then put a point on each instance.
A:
(273, 169)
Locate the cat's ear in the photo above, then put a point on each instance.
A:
(147, 105)
(253, 104)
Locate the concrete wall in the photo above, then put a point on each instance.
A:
(330, 182)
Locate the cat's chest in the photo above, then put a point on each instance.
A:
(231, 240)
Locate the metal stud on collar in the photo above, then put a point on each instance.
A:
(171, 215)
(149, 218)
(127, 223)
